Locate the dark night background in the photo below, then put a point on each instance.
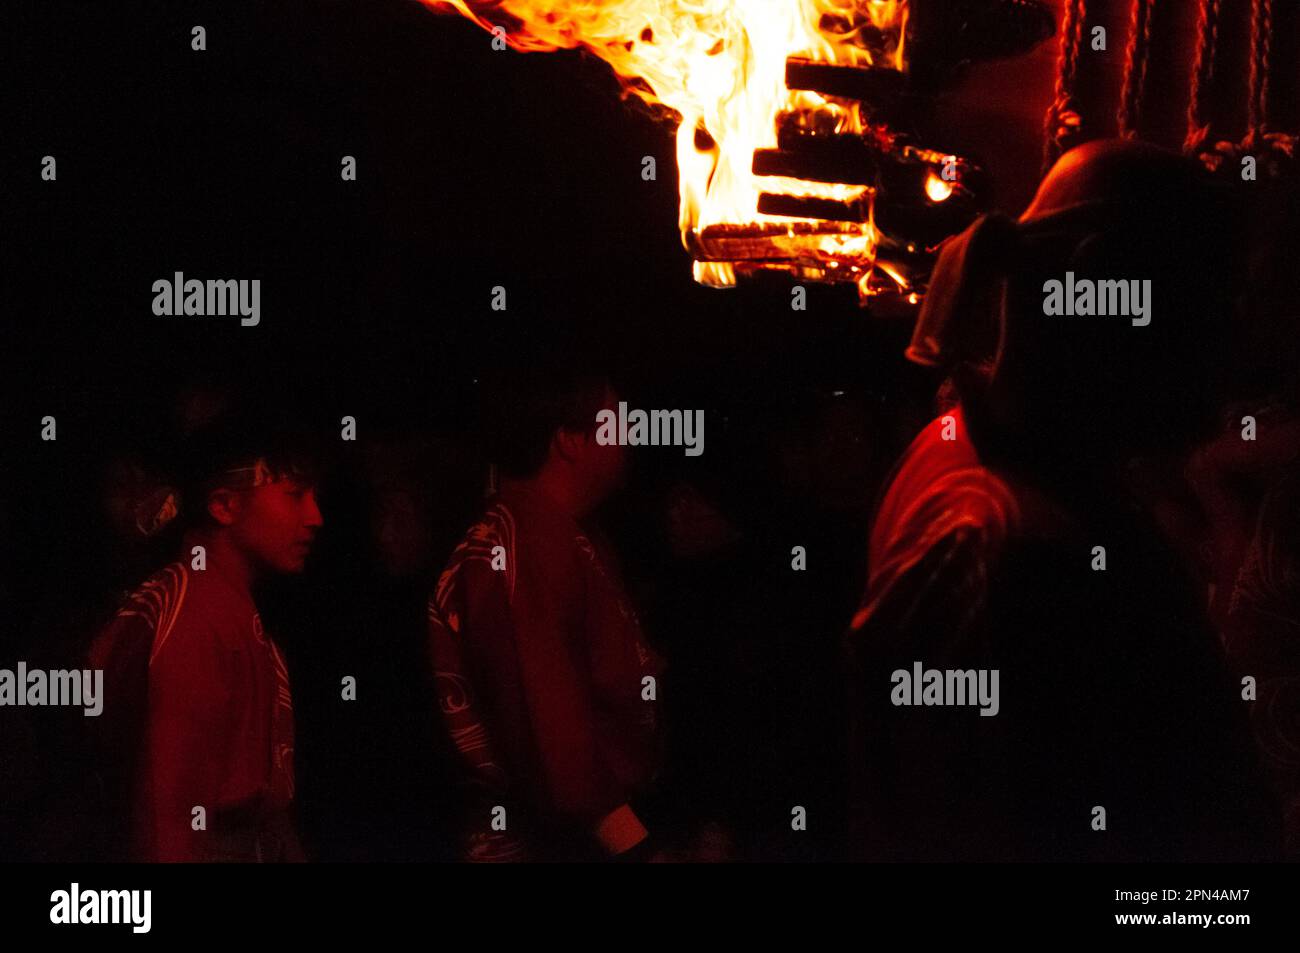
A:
(475, 168)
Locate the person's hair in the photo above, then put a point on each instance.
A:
(237, 436)
(525, 404)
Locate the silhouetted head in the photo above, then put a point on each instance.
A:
(540, 422)
(1089, 388)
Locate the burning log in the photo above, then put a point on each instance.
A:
(912, 198)
(897, 201)
(875, 85)
(859, 28)
(849, 159)
(772, 241)
(846, 160)
(852, 74)
(801, 206)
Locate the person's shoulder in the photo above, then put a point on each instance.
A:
(943, 527)
(188, 610)
(145, 616)
(941, 484)
(488, 544)
(497, 526)
(157, 602)
(968, 508)
(161, 593)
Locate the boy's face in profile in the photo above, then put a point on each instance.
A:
(606, 464)
(275, 523)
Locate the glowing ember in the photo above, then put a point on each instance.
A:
(720, 67)
(937, 189)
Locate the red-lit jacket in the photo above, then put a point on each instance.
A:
(540, 671)
(197, 714)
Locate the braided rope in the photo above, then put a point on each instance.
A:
(1261, 54)
(1135, 68)
(1207, 51)
(1278, 147)
(1063, 121)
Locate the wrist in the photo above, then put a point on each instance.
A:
(621, 831)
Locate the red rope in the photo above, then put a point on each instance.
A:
(1261, 50)
(1274, 148)
(1278, 147)
(1135, 68)
(1063, 121)
(1207, 49)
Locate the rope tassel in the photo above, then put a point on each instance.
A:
(1064, 122)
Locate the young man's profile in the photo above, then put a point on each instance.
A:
(198, 732)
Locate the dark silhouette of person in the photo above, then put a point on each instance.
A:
(543, 680)
(1008, 540)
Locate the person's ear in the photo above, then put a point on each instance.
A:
(224, 506)
(570, 444)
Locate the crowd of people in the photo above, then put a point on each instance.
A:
(1105, 513)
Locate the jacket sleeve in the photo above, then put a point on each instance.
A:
(460, 707)
(550, 636)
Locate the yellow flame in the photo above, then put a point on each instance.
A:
(719, 65)
(937, 189)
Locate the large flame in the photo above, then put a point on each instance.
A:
(719, 65)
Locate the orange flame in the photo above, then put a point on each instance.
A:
(719, 65)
